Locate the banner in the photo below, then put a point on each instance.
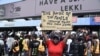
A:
(57, 20)
(10, 1)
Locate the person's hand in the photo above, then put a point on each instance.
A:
(44, 33)
(67, 34)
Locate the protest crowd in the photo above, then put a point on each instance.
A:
(81, 42)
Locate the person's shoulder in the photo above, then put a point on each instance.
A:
(37, 41)
(7, 38)
(11, 38)
(33, 41)
(62, 42)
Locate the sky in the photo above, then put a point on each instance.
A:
(7, 1)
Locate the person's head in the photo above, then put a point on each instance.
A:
(75, 40)
(73, 36)
(55, 39)
(94, 35)
(34, 36)
(26, 36)
(80, 39)
(16, 37)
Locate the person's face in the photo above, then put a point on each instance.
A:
(55, 41)
(73, 36)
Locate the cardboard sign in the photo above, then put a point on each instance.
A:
(57, 20)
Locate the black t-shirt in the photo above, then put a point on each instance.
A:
(20, 44)
(81, 48)
(34, 47)
(74, 48)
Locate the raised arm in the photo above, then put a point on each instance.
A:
(66, 36)
(45, 36)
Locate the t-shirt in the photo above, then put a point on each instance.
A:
(55, 50)
(1, 42)
(34, 47)
(25, 44)
(69, 41)
(10, 41)
(16, 46)
(81, 48)
(74, 48)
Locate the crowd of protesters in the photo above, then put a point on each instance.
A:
(82, 42)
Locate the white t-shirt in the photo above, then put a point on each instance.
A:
(1, 42)
(69, 41)
(10, 41)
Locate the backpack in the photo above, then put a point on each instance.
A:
(41, 47)
(25, 45)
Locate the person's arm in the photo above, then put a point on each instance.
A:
(30, 48)
(30, 51)
(66, 36)
(45, 36)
